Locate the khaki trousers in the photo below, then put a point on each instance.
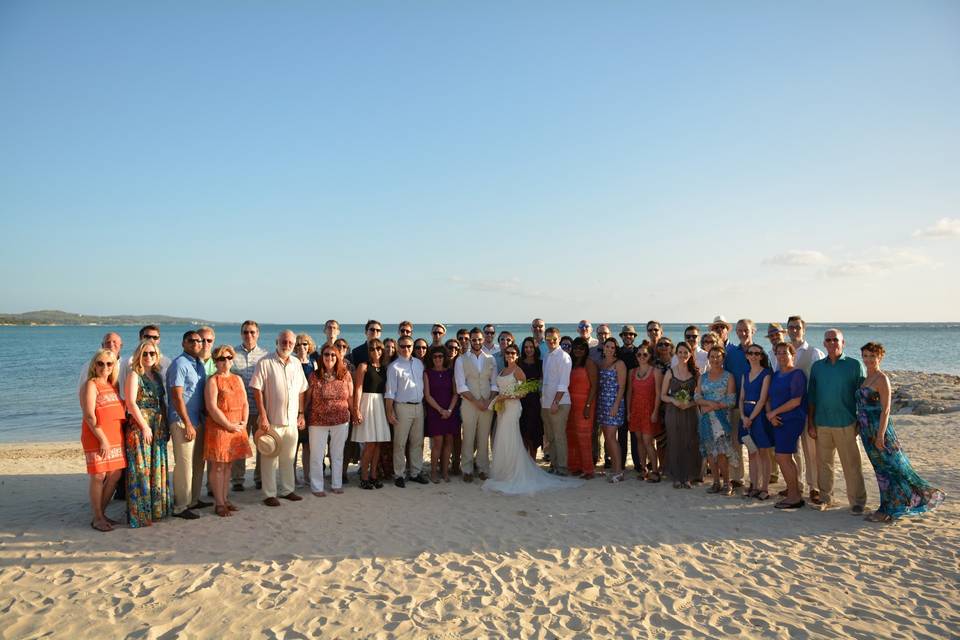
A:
(808, 446)
(238, 470)
(843, 440)
(476, 435)
(555, 426)
(409, 426)
(285, 461)
(188, 469)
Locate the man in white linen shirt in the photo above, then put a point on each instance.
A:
(475, 374)
(403, 400)
(555, 399)
(585, 331)
(806, 356)
(279, 390)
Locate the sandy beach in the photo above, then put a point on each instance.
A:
(449, 560)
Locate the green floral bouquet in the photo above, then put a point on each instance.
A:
(518, 390)
(682, 396)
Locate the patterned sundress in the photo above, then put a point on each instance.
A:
(902, 491)
(149, 486)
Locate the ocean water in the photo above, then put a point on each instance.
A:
(40, 366)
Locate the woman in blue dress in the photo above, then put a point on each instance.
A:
(610, 406)
(755, 431)
(787, 413)
(902, 491)
(715, 395)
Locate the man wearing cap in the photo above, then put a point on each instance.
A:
(832, 420)
(628, 351)
(279, 389)
(403, 400)
(555, 399)
(585, 331)
(185, 380)
(475, 374)
(437, 332)
(248, 355)
(775, 334)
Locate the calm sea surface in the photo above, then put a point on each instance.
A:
(40, 366)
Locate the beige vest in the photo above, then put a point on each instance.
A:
(478, 380)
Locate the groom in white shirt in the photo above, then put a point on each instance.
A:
(555, 400)
(475, 374)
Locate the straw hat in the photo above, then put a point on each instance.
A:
(719, 319)
(268, 443)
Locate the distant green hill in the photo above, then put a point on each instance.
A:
(62, 317)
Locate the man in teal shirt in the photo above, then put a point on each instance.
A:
(832, 421)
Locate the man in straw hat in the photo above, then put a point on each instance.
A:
(279, 388)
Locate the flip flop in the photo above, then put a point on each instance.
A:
(109, 527)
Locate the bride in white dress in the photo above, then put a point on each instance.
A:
(513, 471)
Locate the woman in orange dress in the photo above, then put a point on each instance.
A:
(583, 393)
(102, 434)
(225, 438)
(643, 407)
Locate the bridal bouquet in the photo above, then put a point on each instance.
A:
(682, 396)
(518, 390)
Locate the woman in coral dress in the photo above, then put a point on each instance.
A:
(102, 434)
(225, 438)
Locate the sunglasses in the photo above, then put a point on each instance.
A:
(196, 340)
(156, 337)
(374, 330)
(691, 336)
(405, 346)
(101, 363)
(437, 333)
(831, 339)
(207, 340)
(583, 326)
(224, 358)
(246, 332)
(152, 354)
(376, 349)
(303, 344)
(756, 354)
(329, 354)
(420, 348)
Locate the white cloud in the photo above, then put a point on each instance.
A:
(881, 260)
(797, 258)
(945, 228)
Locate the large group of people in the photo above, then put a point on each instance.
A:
(683, 411)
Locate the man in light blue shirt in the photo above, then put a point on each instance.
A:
(186, 378)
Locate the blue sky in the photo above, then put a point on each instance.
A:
(613, 160)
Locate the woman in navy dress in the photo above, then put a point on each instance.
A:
(787, 413)
(754, 388)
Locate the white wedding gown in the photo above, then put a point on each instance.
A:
(513, 471)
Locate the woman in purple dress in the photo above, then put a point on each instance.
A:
(442, 419)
